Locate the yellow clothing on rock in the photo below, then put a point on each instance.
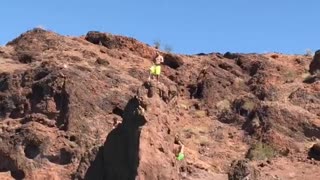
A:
(155, 70)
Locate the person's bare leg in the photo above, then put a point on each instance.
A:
(181, 147)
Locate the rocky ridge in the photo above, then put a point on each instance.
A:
(238, 115)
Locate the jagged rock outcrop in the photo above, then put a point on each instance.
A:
(79, 108)
(314, 152)
(142, 145)
(120, 43)
(56, 109)
(314, 66)
(241, 170)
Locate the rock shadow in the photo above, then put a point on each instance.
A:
(118, 158)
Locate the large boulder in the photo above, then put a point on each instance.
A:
(120, 43)
(314, 66)
(314, 152)
(230, 55)
(173, 61)
(241, 170)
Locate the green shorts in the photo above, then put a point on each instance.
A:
(180, 157)
(155, 70)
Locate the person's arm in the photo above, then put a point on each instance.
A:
(182, 147)
(161, 59)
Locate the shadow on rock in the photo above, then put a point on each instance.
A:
(118, 159)
(314, 152)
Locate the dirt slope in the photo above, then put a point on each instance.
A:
(239, 115)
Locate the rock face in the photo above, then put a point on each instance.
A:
(121, 43)
(82, 108)
(242, 170)
(315, 152)
(315, 64)
(173, 61)
(141, 146)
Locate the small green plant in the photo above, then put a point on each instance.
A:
(261, 151)
(249, 105)
(290, 76)
(223, 105)
(157, 44)
(168, 48)
(204, 140)
(200, 114)
(239, 83)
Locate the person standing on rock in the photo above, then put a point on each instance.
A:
(155, 69)
(180, 155)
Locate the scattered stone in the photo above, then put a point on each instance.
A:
(230, 55)
(241, 169)
(102, 61)
(314, 152)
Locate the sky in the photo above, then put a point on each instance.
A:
(187, 26)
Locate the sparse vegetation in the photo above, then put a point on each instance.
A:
(204, 141)
(183, 106)
(223, 105)
(167, 48)
(200, 114)
(194, 132)
(261, 151)
(309, 53)
(157, 44)
(197, 134)
(240, 83)
(308, 78)
(290, 76)
(305, 75)
(244, 106)
(249, 106)
(102, 61)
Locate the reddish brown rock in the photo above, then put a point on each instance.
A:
(80, 107)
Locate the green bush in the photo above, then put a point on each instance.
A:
(261, 151)
(167, 48)
(157, 44)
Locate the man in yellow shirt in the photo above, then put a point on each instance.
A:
(155, 69)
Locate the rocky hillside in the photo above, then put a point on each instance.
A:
(81, 108)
